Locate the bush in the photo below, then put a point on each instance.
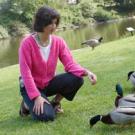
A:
(76, 20)
(75, 15)
(22, 10)
(102, 15)
(87, 9)
(3, 32)
(17, 28)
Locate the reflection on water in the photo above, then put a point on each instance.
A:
(9, 52)
(109, 31)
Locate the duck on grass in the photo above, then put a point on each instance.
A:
(124, 112)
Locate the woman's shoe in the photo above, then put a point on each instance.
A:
(57, 107)
(24, 111)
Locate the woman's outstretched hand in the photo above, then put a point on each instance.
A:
(92, 77)
(39, 105)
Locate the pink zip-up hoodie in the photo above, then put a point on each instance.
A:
(36, 72)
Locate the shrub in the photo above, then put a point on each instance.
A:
(87, 9)
(3, 32)
(76, 20)
(17, 28)
(102, 15)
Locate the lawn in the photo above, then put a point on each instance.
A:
(110, 62)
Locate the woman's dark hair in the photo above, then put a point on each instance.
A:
(44, 16)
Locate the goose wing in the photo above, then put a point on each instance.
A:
(91, 42)
(130, 98)
(126, 110)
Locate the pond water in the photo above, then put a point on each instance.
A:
(110, 31)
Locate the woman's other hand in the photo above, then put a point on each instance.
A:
(92, 77)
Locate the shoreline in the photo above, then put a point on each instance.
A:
(73, 51)
(74, 27)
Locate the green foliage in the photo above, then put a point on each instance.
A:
(87, 9)
(21, 10)
(102, 15)
(126, 4)
(81, 13)
(12, 10)
(76, 15)
(17, 28)
(25, 10)
(3, 32)
(5, 19)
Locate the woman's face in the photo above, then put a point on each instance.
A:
(50, 28)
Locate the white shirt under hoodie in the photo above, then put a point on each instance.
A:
(45, 51)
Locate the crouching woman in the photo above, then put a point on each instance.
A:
(38, 56)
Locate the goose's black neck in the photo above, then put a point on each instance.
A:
(100, 39)
(107, 119)
(117, 100)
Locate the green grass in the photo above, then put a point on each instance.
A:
(110, 61)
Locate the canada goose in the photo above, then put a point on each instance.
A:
(123, 113)
(93, 42)
(74, 27)
(131, 77)
(130, 29)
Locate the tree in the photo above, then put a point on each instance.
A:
(126, 3)
(22, 10)
(87, 10)
(108, 2)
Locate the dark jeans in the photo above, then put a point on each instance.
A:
(65, 84)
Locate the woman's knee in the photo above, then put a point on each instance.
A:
(80, 81)
(77, 80)
(48, 114)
